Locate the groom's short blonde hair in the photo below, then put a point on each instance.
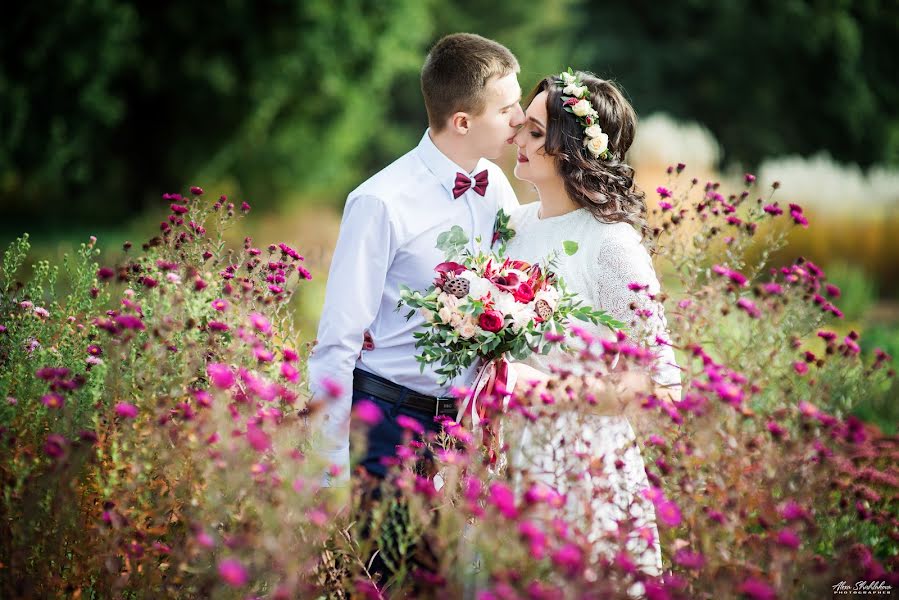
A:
(456, 72)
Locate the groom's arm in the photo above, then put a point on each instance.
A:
(364, 251)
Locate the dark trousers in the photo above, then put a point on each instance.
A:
(382, 440)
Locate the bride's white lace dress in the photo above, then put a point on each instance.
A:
(576, 454)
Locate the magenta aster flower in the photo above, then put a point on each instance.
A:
(179, 209)
(757, 589)
(105, 273)
(502, 497)
(776, 429)
(749, 178)
(367, 412)
(749, 307)
(289, 372)
(408, 423)
(196, 190)
(258, 439)
(290, 355)
(55, 445)
(233, 572)
(663, 192)
(220, 305)
(665, 206)
(217, 326)
(53, 400)
(220, 375)
(788, 538)
(668, 513)
(126, 410)
(568, 558)
(832, 290)
(792, 511)
(331, 387)
(772, 289)
(260, 323)
(688, 559)
(798, 217)
(244, 207)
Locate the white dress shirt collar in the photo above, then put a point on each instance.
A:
(442, 167)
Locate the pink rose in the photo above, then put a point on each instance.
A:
(524, 293)
(491, 320)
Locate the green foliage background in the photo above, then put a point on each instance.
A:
(103, 102)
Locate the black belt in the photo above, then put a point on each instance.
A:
(384, 389)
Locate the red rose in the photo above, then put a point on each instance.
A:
(524, 293)
(491, 320)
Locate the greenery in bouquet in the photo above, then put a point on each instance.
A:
(483, 306)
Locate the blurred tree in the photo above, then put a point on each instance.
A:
(767, 77)
(104, 102)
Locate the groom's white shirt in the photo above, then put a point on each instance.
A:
(388, 237)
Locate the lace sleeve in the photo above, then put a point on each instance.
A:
(620, 263)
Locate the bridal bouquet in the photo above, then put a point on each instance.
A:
(486, 308)
(483, 307)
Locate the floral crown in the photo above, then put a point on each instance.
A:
(576, 100)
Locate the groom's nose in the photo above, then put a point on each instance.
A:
(517, 116)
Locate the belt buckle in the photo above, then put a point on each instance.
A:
(437, 405)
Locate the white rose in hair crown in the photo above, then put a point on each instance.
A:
(486, 308)
(576, 100)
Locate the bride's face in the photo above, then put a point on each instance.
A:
(533, 163)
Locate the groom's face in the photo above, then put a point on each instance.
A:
(495, 127)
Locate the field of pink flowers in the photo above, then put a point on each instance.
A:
(155, 435)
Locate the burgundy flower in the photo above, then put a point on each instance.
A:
(179, 209)
(105, 273)
(196, 190)
(491, 320)
(244, 207)
(749, 178)
(524, 293)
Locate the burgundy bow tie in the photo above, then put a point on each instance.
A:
(463, 183)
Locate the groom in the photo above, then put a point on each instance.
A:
(388, 237)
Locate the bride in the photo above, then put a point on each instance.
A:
(572, 149)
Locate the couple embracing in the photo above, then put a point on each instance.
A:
(573, 154)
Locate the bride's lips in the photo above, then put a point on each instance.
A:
(522, 158)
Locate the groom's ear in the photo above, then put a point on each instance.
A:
(460, 122)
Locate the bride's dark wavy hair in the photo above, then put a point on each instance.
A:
(605, 187)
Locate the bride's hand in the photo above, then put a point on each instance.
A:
(618, 395)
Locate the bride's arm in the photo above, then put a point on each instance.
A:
(621, 264)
